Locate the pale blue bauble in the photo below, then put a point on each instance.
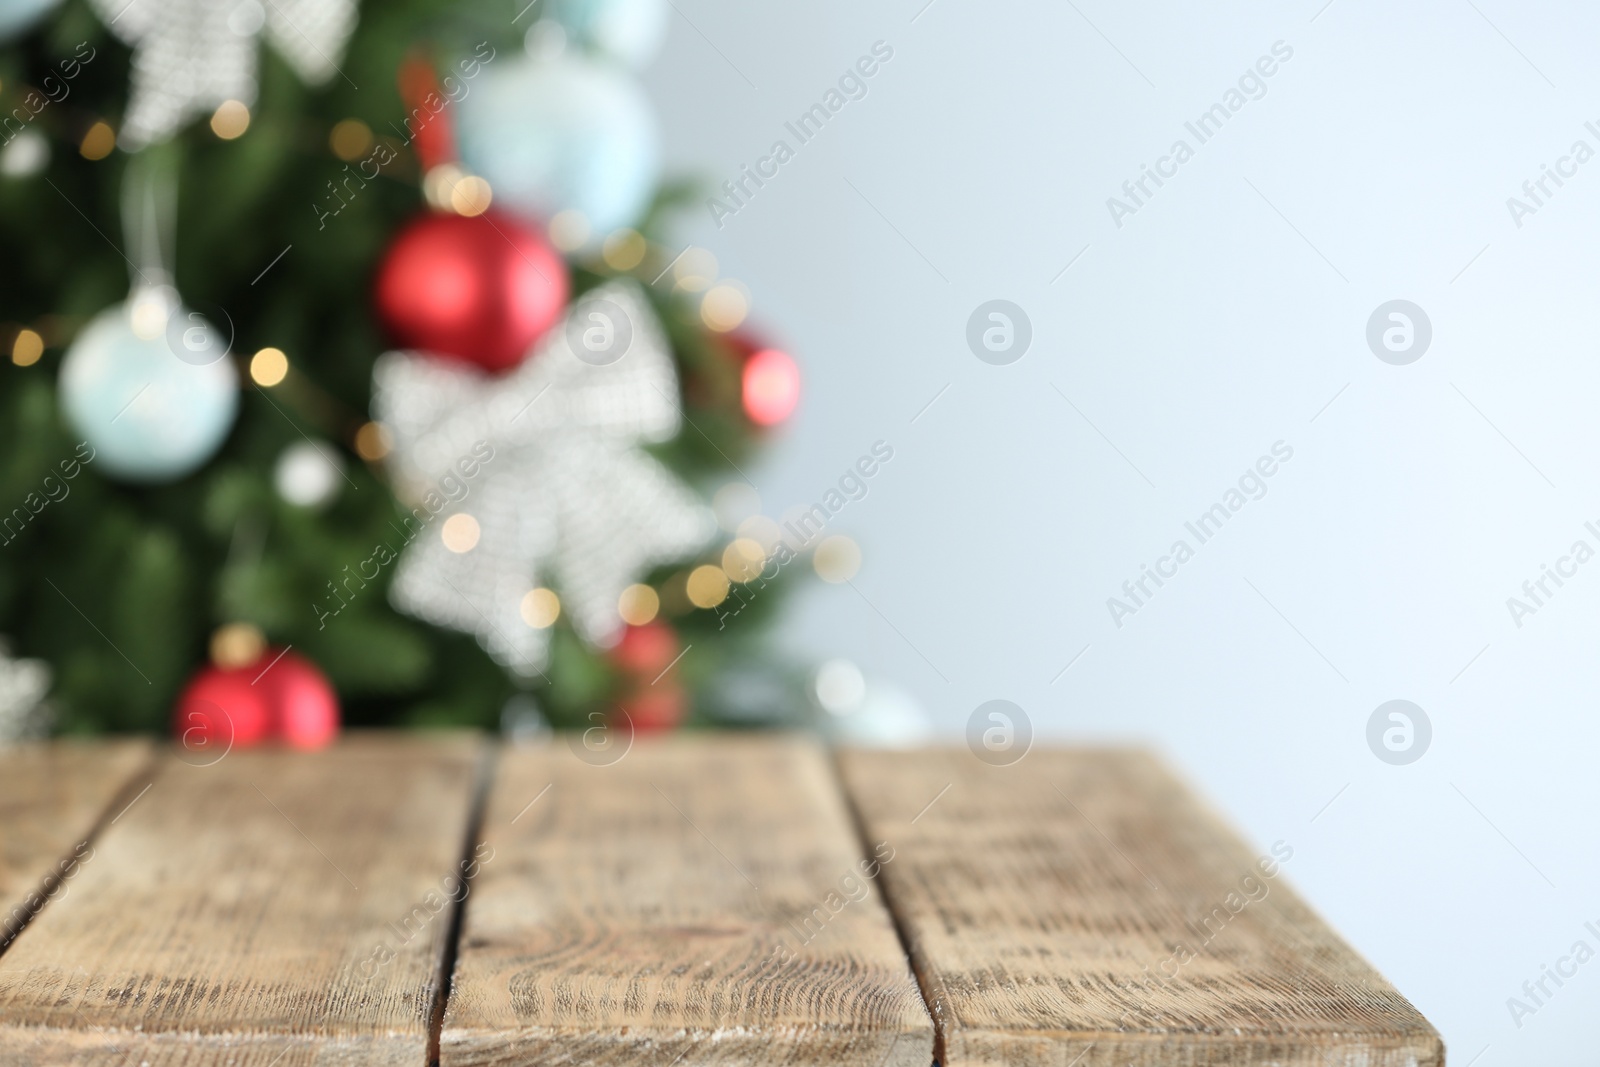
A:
(629, 31)
(16, 16)
(562, 132)
(150, 416)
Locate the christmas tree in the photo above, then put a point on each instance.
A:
(357, 334)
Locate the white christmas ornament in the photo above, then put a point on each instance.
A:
(150, 414)
(192, 55)
(568, 499)
(23, 685)
(308, 474)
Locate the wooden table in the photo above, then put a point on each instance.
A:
(749, 899)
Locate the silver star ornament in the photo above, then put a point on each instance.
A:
(568, 498)
(189, 56)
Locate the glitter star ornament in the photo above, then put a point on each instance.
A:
(189, 56)
(568, 499)
(23, 685)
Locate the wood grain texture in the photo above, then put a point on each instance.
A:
(240, 914)
(702, 901)
(53, 796)
(1082, 907)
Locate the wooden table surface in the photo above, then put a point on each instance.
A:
(698, 899)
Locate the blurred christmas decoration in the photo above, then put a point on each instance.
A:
(150, 416)
(872, 715)
(770, 387)
(273, 695)
(23, 685)
(628, 31)
(568, 491)
(480, 289)
(562, 133)
(207, 449)
(308, 474)
(192, 57)
(19, 15)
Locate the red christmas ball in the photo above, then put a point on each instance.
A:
(481, 289)
(305, 707)
(770, 386)
(219, 709)
(646, 650)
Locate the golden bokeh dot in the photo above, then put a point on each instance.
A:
(98, 142)
(541, 608)
(439, 182)
(743, 559)
(764, 531)
(350, 139)
(624, 249)
(372, 441)
(707, 586)
(459, 532)
(238, 644)
(569, 230)
(837, 559)
(27, 348)
(638, 604)
(268, 367)
(230, 120)
(724, 307)
(695, 270)
(471, 196)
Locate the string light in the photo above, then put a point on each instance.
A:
(27, 348)
(837, 559)
(695, 270)
(350, 139)
(733, 503)
(98, 142)
(540, 608)
(763, 531)
(230, 120)
(460, 533)
(724, 306)
(743, 559)
(268, 367)
(707, 586)
(471, 196)
(624, 250)
(569, 229)
(638, 605)
(373, 441)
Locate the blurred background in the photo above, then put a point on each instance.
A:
(1300, 290)
(1226, 313)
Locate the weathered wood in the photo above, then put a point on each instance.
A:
(52, 799)
(686, 905)
(1082, 907)
(275, 908)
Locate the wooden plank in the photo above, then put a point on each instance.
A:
(53, 796)
(277, 907)
(1082, 907)
(704, 900)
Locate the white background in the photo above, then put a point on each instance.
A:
(1194, 337)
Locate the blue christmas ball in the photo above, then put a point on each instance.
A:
(562, 132)
(17, 16)
(629, 31)
(150, 415)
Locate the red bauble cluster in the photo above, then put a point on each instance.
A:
(281, 696)
(480, 289)
(654, 700)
